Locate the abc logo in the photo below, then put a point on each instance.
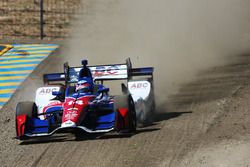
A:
(139, 86)
(45, 91)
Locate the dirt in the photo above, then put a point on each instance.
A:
(206, 123)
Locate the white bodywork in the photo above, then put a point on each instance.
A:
(139, 89)
(68, 124)
(43, 97)
(143, 95)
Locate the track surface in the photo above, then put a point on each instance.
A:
(202, 125)
(211, 111)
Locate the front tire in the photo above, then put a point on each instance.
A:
(127, 122)
(25, 108)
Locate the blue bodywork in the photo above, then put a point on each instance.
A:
(100, 115)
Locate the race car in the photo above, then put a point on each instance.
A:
(83, 103)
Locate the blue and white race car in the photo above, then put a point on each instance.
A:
(77, 100)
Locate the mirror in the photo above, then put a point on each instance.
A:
(102, 90)
(56, 93)
(124, 88)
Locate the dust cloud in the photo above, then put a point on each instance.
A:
(177, 37)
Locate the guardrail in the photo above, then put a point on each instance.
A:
(37, 18)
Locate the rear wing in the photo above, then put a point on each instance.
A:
(100, 72)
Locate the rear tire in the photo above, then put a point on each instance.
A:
(144, 114)
(125, 101)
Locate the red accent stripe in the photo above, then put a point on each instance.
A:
(123, 111)
(20, 120)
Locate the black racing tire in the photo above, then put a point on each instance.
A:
(144, 116)
(126, 101)
(28, 108)
(25, 108)
(133, 122)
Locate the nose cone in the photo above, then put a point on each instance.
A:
(68, 124)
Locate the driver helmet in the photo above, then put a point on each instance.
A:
(83, 86)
